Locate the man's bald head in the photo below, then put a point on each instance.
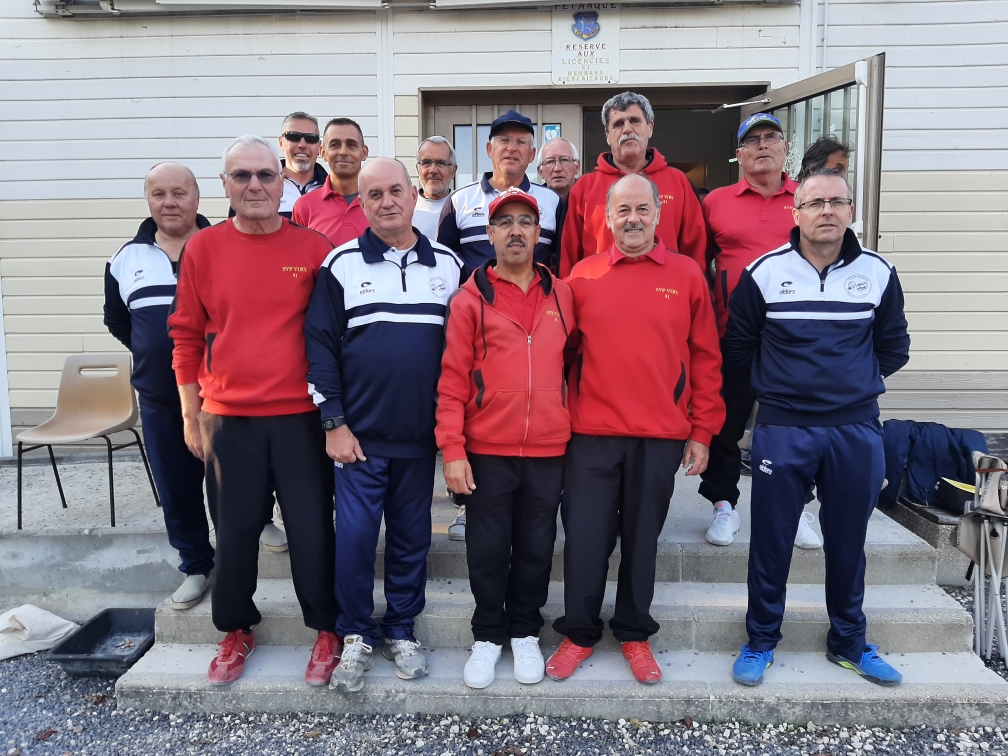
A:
(632, 211)
(172, 171)
(389, 199)
(173, 198)
(381, 166)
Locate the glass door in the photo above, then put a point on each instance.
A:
(847, 104)
(460, 123)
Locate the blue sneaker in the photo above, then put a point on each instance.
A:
(872, 667)
(750, 665)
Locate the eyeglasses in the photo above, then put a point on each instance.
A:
(506, 221)
(244, 177)
(817, 205)
(297, 136)
(442, 164)
(505, 141)
(774, 137)
(563, 161)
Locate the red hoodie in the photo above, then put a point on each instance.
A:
(502, 388)
(648, 364)
(585, 232)
(238, 318)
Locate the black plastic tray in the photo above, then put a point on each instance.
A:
(106, 645)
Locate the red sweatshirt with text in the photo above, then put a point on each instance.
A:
(238, 318)
(648, 364)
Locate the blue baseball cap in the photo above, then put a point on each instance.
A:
(511, 118)
(758, 119)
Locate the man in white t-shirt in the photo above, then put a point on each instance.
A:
(436, 166)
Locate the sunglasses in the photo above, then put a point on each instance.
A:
(297, 136)
(245, 177)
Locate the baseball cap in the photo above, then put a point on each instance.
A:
(758, 119)
(511, 118)
(512, 194)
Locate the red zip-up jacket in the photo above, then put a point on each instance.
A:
(238, 318)
(648, 364)
(585, 232)
(502, 389)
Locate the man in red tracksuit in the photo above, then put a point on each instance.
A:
(503, 426)
(629, 123)
(239, 359)
(644, 396)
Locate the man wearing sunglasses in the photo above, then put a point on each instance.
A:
(744, 220)
(817, 324)
(300, 144)
(240, 363)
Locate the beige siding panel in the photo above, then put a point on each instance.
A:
(933, 262)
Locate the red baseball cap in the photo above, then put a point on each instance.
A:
(512, 194)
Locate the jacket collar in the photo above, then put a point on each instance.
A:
(319, 177)
(145, 234)
(849, 251)
(486, 290)
(487, 187)
(788, 185)
(373, 249)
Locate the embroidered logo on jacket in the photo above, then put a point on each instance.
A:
(439, 287)
(858, 286)
(765, 467)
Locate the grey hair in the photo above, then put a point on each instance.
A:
(300, 115)
(622, 102)
(558, 139)
(827, 172)
(654, 191)
(438, 140)
(247, 140)
(365, 169)
(192, 176)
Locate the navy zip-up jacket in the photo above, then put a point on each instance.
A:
(374, 334)
(817, 346)
(139, 287)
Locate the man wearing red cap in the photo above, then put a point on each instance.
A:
(503, 426)
(629, 122)
(644, 396)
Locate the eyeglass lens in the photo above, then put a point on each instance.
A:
(563, 161)
(442, 164)
(245, 177)
(297, 136)
(770, 139)
(507, 221)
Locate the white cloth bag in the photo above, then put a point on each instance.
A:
(28, 629)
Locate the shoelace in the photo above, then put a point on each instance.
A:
(406, 647)
(352, 652)
(324, 647)
(482, 652)
(871, 654)
(231, 647)
(751, 656)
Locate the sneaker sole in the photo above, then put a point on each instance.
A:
(477, 687)
(748, 683)
(387, 653)
(720, 543)
(221, 683)
(453, 537)
(808, 546)
(529, 680)
(182, 606)
(274, 549)
(847, 664)
(343, 687)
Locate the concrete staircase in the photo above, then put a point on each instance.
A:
(700, 602)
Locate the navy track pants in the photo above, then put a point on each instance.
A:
(846, 464)
(401, 490)
(178, 476)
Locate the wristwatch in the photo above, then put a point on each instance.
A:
(332, 423)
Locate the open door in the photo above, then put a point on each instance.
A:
(847, 103)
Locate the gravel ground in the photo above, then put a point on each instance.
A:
(965, 597)
(42, 711)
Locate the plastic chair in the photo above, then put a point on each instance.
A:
(93, 402)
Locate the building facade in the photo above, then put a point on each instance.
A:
(94, 92)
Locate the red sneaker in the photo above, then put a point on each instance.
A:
(232, 652)
(642, 662)
(324, 658)
(566, 659)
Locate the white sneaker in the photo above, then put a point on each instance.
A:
(529, 666)
(348, 677)
(410, 663)
(724, 526)
(273, 538)
(806, 538)
(479, 670)
(456, 531)
(190, 592)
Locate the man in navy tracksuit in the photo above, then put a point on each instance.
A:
(374, 335)
(139, 287)
(817, 324)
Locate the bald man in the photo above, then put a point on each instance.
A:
(139, 286)
(374, 335)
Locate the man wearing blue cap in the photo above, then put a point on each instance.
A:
(511, 149)
(744, 221)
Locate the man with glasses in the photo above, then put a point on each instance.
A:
(744, 220)
(629, 123)
(559, 166)
(463, 226)
(239, 359)
(818, 324)
(436, 166)
(333, 209)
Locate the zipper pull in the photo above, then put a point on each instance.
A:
(530, 339)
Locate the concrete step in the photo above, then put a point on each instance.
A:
(693, 616)
(894, 554)
(941, 690)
